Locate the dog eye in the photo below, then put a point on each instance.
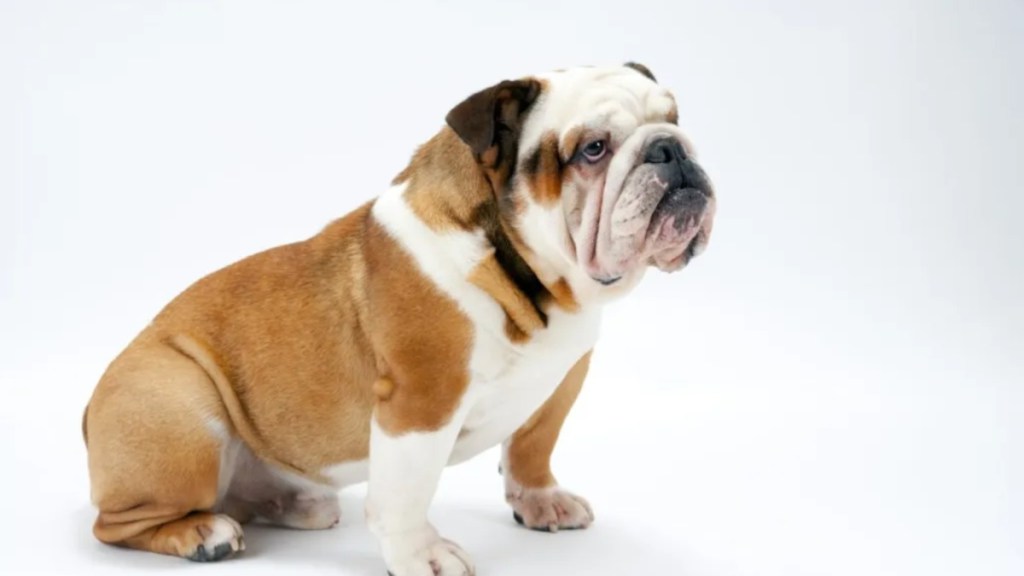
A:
(595, 150)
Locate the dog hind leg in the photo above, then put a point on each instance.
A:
(154, 456)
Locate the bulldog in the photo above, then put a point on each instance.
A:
(454, 312)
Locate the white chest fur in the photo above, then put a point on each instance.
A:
(509, 382)
(501, 400)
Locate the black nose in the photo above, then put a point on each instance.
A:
(664, 151)
(673, 166)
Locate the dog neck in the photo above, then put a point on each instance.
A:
(449, 191)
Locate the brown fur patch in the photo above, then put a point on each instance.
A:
(133, 444)
(315, 293)
(562, 295)
(543, 170)
(531, 447)
(490, 277)
(514, 333)
(444, 184)
(280, 334)
(421, 339)
(570, 142)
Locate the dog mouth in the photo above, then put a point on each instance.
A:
(676, 232)
(665, 232)
(681, 205)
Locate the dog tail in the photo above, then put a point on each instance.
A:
(85, 425)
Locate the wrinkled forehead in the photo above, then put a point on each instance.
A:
(614, 99)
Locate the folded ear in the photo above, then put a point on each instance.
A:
(488, 117)
(641, 69)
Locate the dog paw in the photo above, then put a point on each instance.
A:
(221, 537)
(427, 555)
(550, 509)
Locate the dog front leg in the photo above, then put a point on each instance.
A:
(405, 468)
(538, 502)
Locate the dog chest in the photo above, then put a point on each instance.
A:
(518, 379)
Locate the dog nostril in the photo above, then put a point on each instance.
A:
(662, 151)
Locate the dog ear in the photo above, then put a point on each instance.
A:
(489, 116)
(641, 69)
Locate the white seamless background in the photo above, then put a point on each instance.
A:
(833, 388)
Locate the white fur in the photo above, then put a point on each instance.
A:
(230, 449)
(530, 374)
(347, 473)
(404, 473)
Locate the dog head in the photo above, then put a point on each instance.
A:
(592, 173)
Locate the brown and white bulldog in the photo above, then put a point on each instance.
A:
(454, 312)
